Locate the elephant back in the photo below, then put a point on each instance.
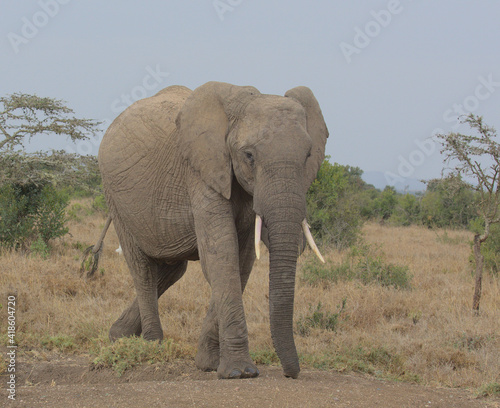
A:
(137, 134)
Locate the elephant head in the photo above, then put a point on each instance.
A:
(274, 147)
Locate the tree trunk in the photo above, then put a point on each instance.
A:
(479, 273)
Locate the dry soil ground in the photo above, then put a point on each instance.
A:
(68, 382)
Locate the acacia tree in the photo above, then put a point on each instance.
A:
(30, 205)
(23, 116)
(477, 157)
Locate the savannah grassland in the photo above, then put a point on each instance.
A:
(425, 334)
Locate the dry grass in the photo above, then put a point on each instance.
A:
(425, 334)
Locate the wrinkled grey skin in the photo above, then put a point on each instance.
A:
(184, 174)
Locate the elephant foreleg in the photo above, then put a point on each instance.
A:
(129, 323)
(208, 354)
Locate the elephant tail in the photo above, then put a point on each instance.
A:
(92, 254)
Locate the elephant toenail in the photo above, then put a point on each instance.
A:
(251, 372)
(235, 373)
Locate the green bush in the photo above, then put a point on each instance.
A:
(489, 248)
(319, 319)
(333, 210)
(99, 204)
(370, 267)
(128, 352)
(29, 213)
(59, 342)
(448, 202)
(265, 356)
(489, 390)
(385, 204)
(51, 215)
(40, 248)
(407, 211)
(363, 263)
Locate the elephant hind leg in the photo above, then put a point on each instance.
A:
(129, 323)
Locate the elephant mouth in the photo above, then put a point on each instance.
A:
(305, 229)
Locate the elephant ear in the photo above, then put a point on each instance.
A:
(316, 127)
(203, 124)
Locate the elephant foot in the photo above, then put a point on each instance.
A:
(237, 369)
(119, 330)
(207, 358)
(153, 335)
(128, 324)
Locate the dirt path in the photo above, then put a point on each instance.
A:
(69, 383)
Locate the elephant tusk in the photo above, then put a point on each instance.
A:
(310, 240)
(258, 232)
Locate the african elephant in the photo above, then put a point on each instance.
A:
(196, 175)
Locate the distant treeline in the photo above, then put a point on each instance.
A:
(339, 202)
(35, 189)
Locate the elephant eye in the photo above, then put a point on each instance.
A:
(249, 157)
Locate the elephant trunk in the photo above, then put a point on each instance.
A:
(283, 253)
(283, 213)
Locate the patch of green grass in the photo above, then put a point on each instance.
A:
(265, 356)
(489, 390)
(129, 352)
(60, 342)
(471, 343)
(79, 211)
(320, 319)
(363, 263)
(446, 239)
(80, 246)
(377, 361)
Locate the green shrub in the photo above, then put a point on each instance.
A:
(333, 210)
(489, 390)
(319, 319)
(265, 356)
(78, 211)
(129, 352)
(58, 342)
(371, 267)
(385, 204)
(31, 212)
(315, 273)
(99, 204)
(16, 224)
(363, 263)
(51, 214)
(407, 210)
(40, 248)
(448, 202)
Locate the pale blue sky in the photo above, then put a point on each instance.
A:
(386, 73)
